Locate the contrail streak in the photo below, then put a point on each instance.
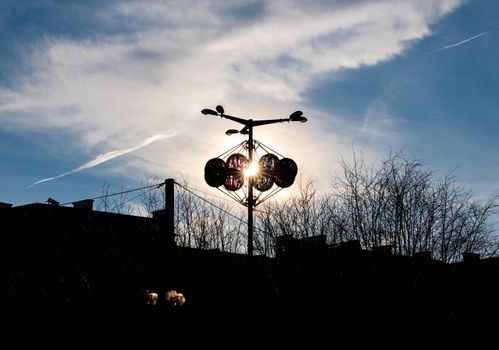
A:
(460, 43)
(101, 158)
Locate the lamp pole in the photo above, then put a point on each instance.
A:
(248, 130)
(251, 198)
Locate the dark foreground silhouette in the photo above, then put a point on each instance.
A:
(74, 277)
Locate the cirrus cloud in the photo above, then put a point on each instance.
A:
(172, 59)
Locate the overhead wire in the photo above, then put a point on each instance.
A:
(219, 208)
(122, 192)
(184, 187)
(213, 204)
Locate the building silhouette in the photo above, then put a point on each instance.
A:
(73, 275)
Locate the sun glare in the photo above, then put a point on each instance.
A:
(252, 169)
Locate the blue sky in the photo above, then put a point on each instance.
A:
(96, 92)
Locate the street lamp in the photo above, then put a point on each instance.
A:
(261, 175)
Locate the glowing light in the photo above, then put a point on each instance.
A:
(252, 169)
(174, 298)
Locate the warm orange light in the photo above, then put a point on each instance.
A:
(252, 169)
(174, 298)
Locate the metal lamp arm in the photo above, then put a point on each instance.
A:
(268, 121)
(236, 119)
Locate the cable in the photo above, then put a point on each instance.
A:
(267, 148)
(151, 187)
(207, 201)
(141, 194)
(240, 145)
(122, 192)
(212, 195)
(219, 208)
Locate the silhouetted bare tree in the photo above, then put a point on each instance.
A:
(119, 203)
(403, 204)
(201, 223)
(396, 202)
(152, 195)
(302, 214)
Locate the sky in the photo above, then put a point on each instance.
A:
(95, 93)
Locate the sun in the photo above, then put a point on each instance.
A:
(252, 169)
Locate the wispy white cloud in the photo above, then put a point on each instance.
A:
(176, 58)
(459, 43)
(102, 158)
(378, 123)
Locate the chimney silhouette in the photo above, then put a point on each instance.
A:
(85, 204)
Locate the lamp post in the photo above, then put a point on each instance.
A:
(248, 130)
